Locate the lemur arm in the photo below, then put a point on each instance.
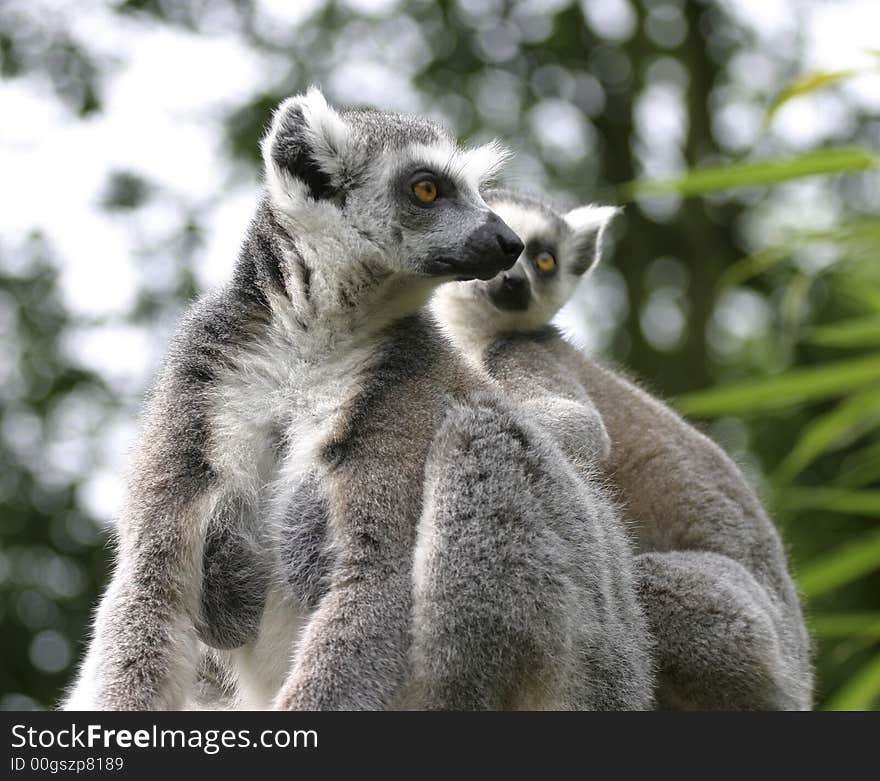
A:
(144, 648)
(353, 654)
(186, 571)
(143, 651)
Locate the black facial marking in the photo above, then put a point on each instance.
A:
(510, 292)
(234, 580)
(291, 151)
(535, 247)
(446, 187)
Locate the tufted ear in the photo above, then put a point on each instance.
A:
(588, 224)
(305, 149)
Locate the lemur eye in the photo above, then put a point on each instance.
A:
(425, 190)
(545, 261)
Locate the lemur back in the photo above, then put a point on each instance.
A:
(713, 574)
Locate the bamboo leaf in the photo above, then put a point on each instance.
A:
(783, 390)
(804, 86)
(846, 625)
(858, 332)
(850, 419)
(863, 468)
(860, 692)
(856, 238)
(837, 500)
(752, 174)
(842, 565)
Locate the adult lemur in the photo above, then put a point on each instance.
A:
(312, 366)
(713, 577)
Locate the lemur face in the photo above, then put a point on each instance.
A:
(559, 250)
(388, 187)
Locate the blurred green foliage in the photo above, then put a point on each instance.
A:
(771, 336)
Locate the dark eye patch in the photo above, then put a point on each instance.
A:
(535, 246)
(446, 187)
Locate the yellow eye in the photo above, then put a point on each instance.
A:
(545, 261)
(425, 190)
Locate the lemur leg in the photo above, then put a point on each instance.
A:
(235, 576)
(720, 637)
(509, 611)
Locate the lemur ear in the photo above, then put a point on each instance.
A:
(305, 149)
(588, 224)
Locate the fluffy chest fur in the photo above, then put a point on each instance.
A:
(276, 404)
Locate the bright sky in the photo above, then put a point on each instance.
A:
(161, 116)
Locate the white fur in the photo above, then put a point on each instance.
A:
(525, 222)
(327, 136)
(475, 166)
(591, 217)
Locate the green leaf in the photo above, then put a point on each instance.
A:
(783, 390)
(805, 85)
(862, 467)
(766, 172)
(842, 565)
(860, 692)
(854, 238)
(846, 625)
(837, 500)
(858, 332)
(850, 419)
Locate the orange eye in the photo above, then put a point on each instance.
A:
(545, 262)
(425, 190)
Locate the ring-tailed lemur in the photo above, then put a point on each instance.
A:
(312, 363)
(312, 357)
(713, 577)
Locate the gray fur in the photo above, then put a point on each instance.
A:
(712, 575)
(306, 554)
(309, 364)
(235, 577)
(523, 596)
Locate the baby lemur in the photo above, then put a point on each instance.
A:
(311, 366)
(712, 573)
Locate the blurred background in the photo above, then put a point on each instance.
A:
(742, 282)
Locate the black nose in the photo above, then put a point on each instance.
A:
(510, 292)
(511, 283)
(508, 241)
(488, 250)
